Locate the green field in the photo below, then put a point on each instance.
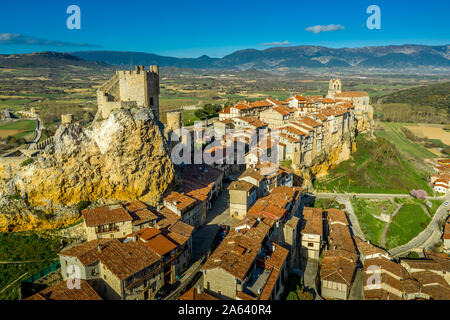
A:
(22, 125)
(24, 247)
(371, 226)
(407, 224)
(402, 143)
(326, 203)
(376, 167)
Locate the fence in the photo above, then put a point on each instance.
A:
(44, 272)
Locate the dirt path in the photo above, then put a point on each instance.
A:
(386, 228)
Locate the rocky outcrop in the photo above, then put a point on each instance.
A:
(327, 161)
(121, 158)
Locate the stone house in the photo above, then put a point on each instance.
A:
(116, 269)
(246, 265)
(311, 233)
(243, 195)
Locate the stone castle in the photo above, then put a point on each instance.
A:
(138, 87)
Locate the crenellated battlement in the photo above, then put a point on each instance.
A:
(139, 86)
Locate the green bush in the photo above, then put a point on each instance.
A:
(27, 162)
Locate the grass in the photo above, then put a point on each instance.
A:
(376, 167)
(22, 125)
(407, 224)
(371, 226)
(394, 134)
(435, 204)
(23, 247)
(326, 203)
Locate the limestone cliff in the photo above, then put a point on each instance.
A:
(327, 161)
(121, 158)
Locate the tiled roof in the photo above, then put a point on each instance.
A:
(340, 238)
(87, 252)
(128, 258)
(336, 215)
(387, 265)
(60, 291)
(105, 215)
(193, 294)
(241, 185)
(312, 221)
(239, 249)
(352, 94)
(180, 201)
(161, 245)
(338, 266)
(366, 248)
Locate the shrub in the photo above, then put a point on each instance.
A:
(27, 162)
(418, 194)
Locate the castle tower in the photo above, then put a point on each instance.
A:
(334, 87)
(173, 122)
(66, 118)
(138, 87)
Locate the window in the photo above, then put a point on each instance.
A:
(310, 244)
(151, 101)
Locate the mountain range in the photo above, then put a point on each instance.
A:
(398, 57)
(295, 57)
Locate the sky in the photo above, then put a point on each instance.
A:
(216, 28)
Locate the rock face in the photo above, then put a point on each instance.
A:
(121, 158)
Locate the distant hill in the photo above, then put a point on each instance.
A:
(399, 57)
(121, 58)
(435, 95)
(45, 60)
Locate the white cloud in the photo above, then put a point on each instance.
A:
(16, 38)
(321, 28)
(276, 43)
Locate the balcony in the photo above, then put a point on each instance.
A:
(137, 282)
(106, 230)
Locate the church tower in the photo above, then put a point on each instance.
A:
(334, 88)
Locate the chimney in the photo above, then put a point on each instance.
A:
(199, 291)
(99, 248)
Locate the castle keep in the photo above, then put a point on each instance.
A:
(129, 88)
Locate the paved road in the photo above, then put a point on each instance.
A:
(368, 195)
(428, 237)
(309, 274)
(203, 239)
(357, 289)
(354, 223)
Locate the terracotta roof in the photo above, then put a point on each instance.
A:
(128, 258)
(180, 201)
(340, 238)
(161, 245)
(259, 104)
(241, 185)
(147, 233)
(312, 221)
(380, 294)
(336, 215)
(193, 294)
(225, 110)
(310, 122)
(105, 215)
(366, 248)
(60, 291)
(87, 252)
(338, 266)
(387, 265)
(237, 252)
(352, 94)
(282, 110)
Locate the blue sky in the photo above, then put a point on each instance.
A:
(216, 28)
